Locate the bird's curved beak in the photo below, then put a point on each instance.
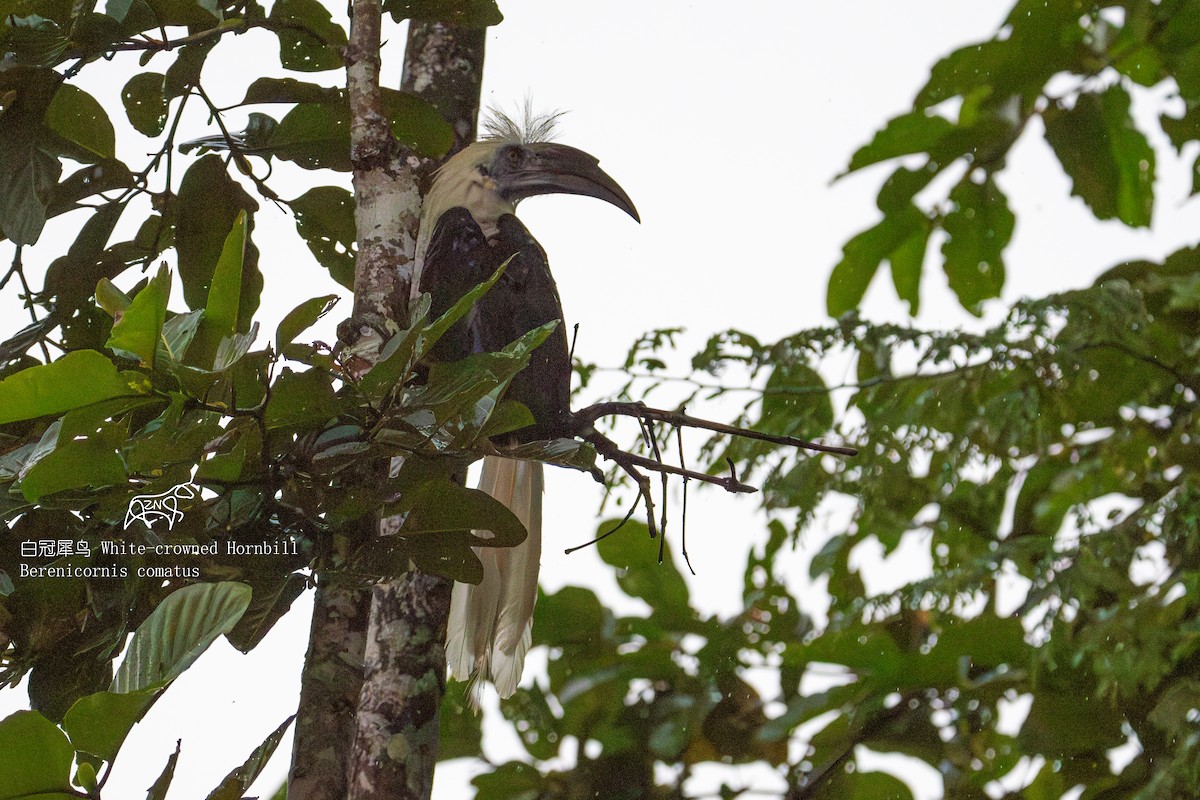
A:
(559, 169)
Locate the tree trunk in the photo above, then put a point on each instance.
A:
(388, 747)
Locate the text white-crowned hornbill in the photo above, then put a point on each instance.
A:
(467, 231)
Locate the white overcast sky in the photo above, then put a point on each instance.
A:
(725, 123)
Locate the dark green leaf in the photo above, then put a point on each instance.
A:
(325, 220)
(184, 73)
(301, 399)
(289, 90)
(76, 116)
(33, 40)
(71, 279)
(441, 506)
(311, 40)
(209, 203)
(238, 781)
(301, 318)
(273, 596)
(1107, 158)
(77, 463)
(978, 229)
(27, 179)
(1059, 725)
(35, 758)
(1187, 75)
(145, 103)
(177, 631)
(158, 790)
(96, 33)
(463, 13)
(795, 402)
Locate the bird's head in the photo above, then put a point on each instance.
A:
(490, 177)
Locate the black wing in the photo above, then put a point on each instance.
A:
(458, 259)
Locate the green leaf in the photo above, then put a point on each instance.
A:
(1059, 725)
(224, 293)
(914, 132)
(869, 786)
(77, 463)
(311, 40)
(325, 220)
(461, 735)
(563, 452)
(197, 14)
(978, 229)
(273, 596)
(1187, 75)
(95, 33)
(99, 723)
(72, 278)
(184, 73)
(33, 40)
(77, 117)
(301, 318)
(85, 777)
(209, 204)
(110, 298)
(1109, 161)
(317, 135)
(863, 254)
(441, 506)
(177, 631)
(462, 13)
(512, 781)
(795, 402)
(158, 790)
(27, 179)
(239, 780)
(639, 573)
(138, 329)
(301, 399)
(77, 379)
(35, 758)
(289, 90)
(177, 335)
(146, 103)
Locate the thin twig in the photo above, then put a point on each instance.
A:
(611, 531)
(629, 463)
(683, 523)
(641, 411)
(648, 432)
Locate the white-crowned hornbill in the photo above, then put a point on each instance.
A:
(467, 231)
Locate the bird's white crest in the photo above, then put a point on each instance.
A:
(525, 127)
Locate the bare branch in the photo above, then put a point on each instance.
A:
(589, 415)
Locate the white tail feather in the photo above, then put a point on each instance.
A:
(491, 624)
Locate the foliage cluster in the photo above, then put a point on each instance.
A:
(1048, 466)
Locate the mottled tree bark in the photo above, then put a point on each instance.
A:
(329, 690)
(380, 740)
(396, 737)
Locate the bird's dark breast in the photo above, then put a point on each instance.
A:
(459, 258)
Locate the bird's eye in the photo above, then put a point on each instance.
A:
(514, 156)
